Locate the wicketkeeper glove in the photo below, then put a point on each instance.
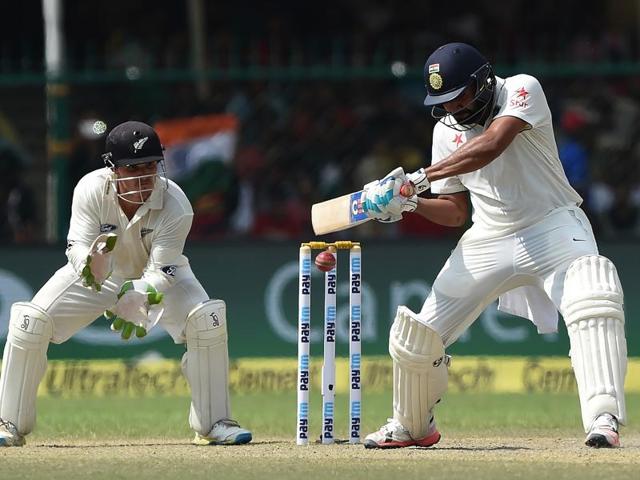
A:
(137, 309)
(99, 264)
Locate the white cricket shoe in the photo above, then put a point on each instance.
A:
(394, 435)
(224, 432)
(603, 432)
(9, 436)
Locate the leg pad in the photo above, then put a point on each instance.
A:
(23, 364)
(592, 307)
(206, 365)
(420, 371)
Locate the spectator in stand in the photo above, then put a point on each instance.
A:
(17, 202)
(614, 199)
(572, 149)
(213, 191)
(281, 216)
(249, 165)
(86, 147)
(624, 215)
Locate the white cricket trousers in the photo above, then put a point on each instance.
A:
(73, 306)
(481, 268)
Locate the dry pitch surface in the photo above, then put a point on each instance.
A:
(464, 457)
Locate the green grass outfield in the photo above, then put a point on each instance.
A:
(485, 436)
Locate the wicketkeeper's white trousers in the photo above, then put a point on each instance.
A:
(73, 306)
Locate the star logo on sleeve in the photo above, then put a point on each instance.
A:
(519, 99)
(458, 140)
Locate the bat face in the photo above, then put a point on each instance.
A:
(338, 214)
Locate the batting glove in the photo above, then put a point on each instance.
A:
(416, 183)
(386, 199)
(419, 181)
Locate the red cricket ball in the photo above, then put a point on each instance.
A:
(325, 261)
(407, 190)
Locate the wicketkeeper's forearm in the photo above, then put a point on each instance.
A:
(77, 256)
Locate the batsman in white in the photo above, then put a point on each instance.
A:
(128, 227)
(530, 245)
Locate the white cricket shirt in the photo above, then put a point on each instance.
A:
(527, 180)
(149, 245)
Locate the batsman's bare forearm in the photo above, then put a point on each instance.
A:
(471, 156)
(447, 210)
(478, 151)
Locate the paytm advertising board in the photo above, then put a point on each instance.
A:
(259, 283)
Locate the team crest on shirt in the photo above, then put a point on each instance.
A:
(458, 140)
(107, 227)
(519, 98)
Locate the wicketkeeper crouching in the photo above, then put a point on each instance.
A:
(128, 227)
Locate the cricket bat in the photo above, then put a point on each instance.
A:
(346, 211)
(338, 214)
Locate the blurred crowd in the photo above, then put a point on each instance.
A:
(111, 35)
(302, 141)
(18, 215)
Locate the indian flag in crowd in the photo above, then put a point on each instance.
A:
(192, 142)
(199, 154)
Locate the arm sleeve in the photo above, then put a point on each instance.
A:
(166, 253)
(84, 226)
(442, 147)
(525, 100)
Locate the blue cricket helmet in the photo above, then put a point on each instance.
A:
(449, 71)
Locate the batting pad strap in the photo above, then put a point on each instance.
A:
(24, 363)
(420, 373)
(206, 365)
(593, 311)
